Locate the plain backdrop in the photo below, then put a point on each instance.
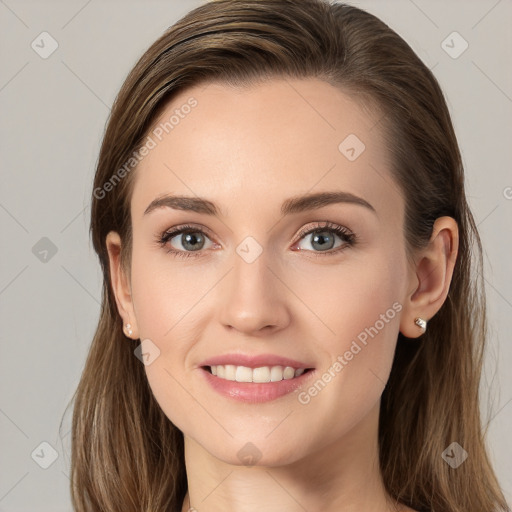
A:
(53, 113)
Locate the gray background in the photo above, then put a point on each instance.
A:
(53, 115)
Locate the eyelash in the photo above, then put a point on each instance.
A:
(345, 234)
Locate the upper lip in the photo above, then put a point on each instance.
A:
(254, 361)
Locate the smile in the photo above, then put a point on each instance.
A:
(255, 385)
(259, 375)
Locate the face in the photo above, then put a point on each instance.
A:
(267, 280)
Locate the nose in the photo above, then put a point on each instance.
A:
(253, 298)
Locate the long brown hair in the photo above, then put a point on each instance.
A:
(126, 454)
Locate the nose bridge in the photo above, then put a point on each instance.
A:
(252, 297)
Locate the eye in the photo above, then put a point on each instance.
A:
(190, 238)
(324, 238)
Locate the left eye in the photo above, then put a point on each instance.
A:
(324, 239)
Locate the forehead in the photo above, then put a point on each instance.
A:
(262, 144)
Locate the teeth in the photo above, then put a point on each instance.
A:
(261, 374)
(230, 372)
(243, 374)
(276, 373)
(288, 373)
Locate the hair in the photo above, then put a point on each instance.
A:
(126, 454)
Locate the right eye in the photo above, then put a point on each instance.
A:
(191, 239)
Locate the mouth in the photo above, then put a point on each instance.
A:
(255, 385)
(259, 375)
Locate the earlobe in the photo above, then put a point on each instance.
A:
(431, 277)
(121, 285)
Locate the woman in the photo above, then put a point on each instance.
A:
(280, 216)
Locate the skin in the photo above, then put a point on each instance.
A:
(247, 150)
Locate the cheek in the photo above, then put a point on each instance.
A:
(357, 309)
(170, 311)
(347, 298)
(165, 293)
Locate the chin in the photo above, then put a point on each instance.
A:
(256, 452)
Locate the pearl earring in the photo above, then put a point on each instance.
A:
(421, 323)
(129, 329)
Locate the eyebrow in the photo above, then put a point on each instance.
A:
(290, 206)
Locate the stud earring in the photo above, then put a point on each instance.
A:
(129, 329)
(421, 323)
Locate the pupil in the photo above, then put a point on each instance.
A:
(189, 239)
(321, 240)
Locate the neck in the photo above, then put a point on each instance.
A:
(344, 476)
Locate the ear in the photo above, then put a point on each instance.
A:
(121, 285)
(430, 277)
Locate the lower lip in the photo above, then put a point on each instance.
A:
(255, 392)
